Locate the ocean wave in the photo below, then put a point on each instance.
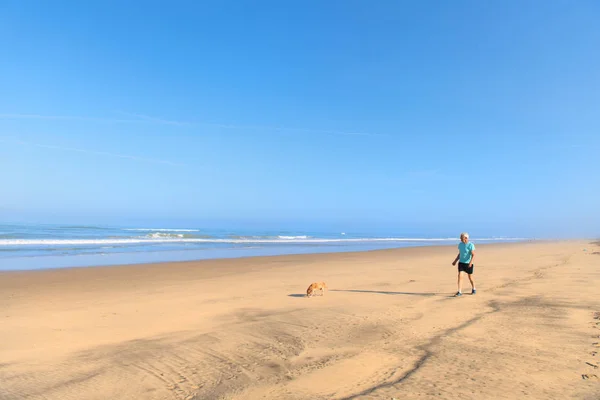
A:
(160, 230)
(82, 227)
(146, 240)
(161, 235)
(267, 237)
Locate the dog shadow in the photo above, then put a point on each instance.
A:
(424, 294)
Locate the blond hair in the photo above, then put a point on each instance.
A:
(464, 234)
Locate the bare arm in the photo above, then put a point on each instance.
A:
(472, 258)
(456, 259)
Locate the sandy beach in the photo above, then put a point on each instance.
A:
(242, 329)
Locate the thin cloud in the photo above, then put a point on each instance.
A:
(259, 127)
(66, 118)
(141, 118)
(147, 118)
(323, 131)
(99, 153)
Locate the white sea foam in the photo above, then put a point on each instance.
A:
(161, 230)
(161, 235)
(146, 240)
(292, 237)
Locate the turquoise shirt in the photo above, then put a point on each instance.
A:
(466, 252)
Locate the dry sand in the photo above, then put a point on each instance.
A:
(241, 329)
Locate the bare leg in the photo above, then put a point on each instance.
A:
(459, 281)
(472, 281)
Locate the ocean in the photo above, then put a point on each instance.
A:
(37, 246)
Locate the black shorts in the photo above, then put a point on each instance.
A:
(463, 267)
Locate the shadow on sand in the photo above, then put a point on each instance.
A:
(373, 291)
(384, 292)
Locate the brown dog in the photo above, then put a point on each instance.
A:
(314, 287)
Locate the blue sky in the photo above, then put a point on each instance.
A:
(427, 117)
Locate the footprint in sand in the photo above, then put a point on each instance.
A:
(593, 353)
